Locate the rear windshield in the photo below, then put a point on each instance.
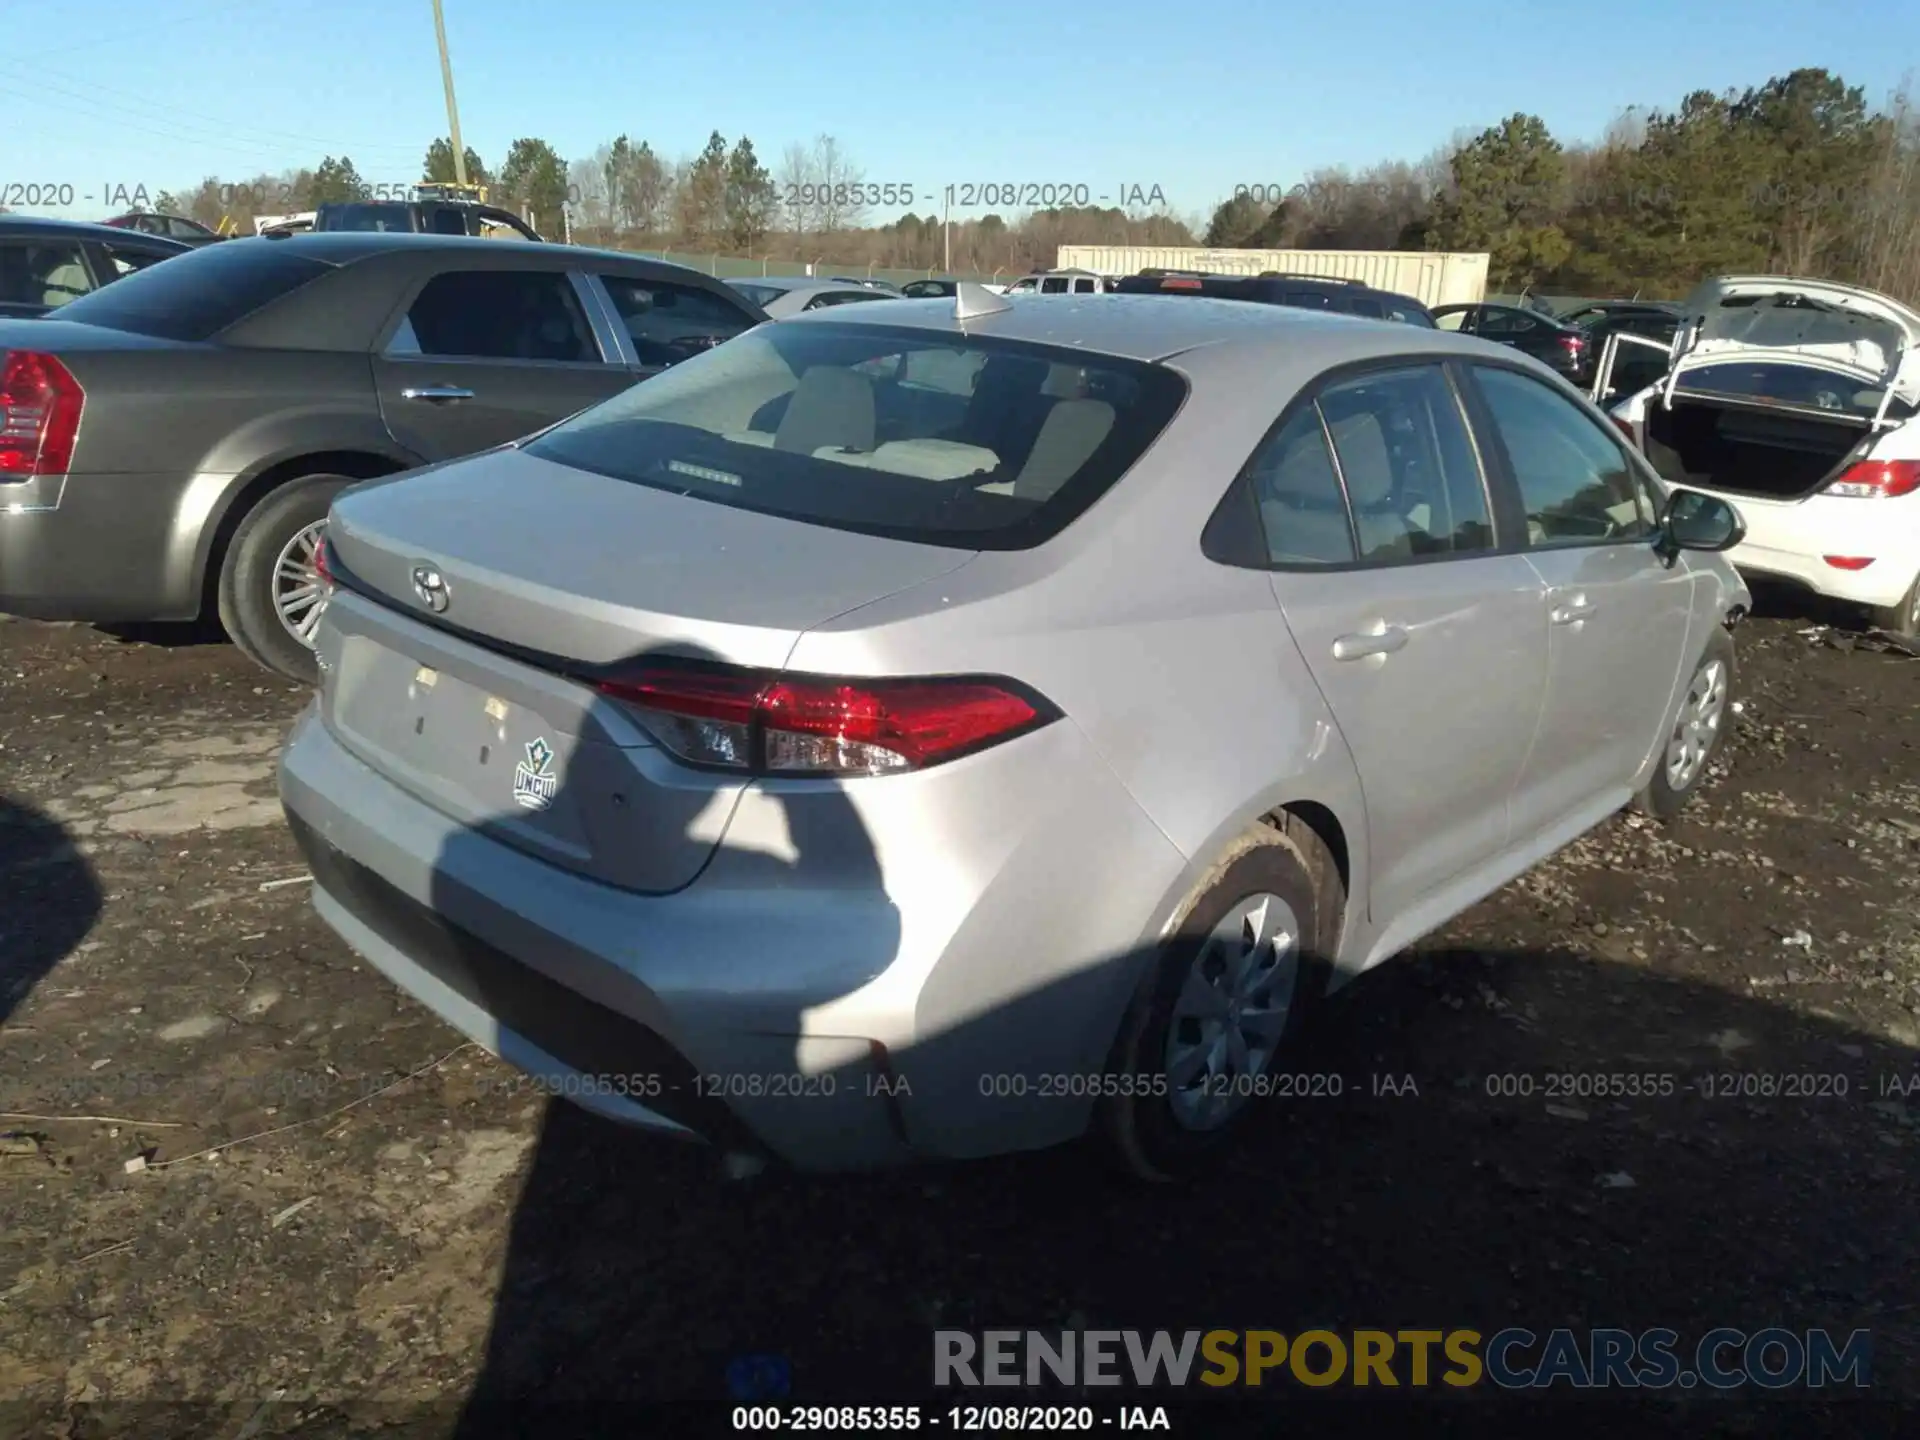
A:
(1779, 384)
(916, 435)
(198, 293)
(394, 217)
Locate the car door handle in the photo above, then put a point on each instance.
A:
(1578, 608)
(1383, 641)
(439, 394)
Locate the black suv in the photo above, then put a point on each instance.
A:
(1271, 287)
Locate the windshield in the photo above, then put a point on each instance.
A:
(918, 435)
(371, 217)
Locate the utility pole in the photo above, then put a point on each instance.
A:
(453, 111)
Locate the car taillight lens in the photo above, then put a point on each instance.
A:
(763, 723)
(40, 404)
(1878, 479)
(323, 563)
(1179, 284)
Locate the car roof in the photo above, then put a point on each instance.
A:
(343, 247)
(74, 229)
(1151, 327)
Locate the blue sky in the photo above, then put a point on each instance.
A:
(1192, 99)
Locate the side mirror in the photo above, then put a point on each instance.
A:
(1694, 521)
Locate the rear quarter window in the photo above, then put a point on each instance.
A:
(196, 295)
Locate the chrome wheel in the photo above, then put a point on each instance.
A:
(1698, 726)
(1231, 1011)
(299, 594)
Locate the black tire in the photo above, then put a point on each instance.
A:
(1290, 862)
(246, 574)
(1661, 799)
(1902, 618)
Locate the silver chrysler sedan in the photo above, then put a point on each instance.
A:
(948, 727)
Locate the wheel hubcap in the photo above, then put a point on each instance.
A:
(1698, 727)
(1231, 1011)
(299, 595)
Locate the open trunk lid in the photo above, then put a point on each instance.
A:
(481, 598)
(1784, 319)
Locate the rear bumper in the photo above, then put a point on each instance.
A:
(1789, 541)
(94, 547)
(834, 1029)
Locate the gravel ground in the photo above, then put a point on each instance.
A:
(341, 1212)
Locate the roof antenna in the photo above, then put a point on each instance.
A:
(971, 300)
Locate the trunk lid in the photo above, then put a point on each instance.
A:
(461, 708)
(1780, 317)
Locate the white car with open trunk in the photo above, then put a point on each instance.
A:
(1796, 401)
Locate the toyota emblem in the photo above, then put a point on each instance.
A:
(431, 589)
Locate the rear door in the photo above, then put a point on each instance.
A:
(484, 357)
(1428, 643)
(1617, 615)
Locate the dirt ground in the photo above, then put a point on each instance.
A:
(344, 1216)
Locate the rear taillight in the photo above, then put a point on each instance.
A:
(768, 724)
(323, 563)
(1848, 562)
(1180, 285)
(40, 404)
(1878, 479)
(1572, 344)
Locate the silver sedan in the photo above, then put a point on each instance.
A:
(949, 727)
(780, 296)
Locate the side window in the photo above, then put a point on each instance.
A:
(1306, 299)
(1364, 305)
(125, 261)
(1575, 480)
(1506, 324)
(47, 274)
(500, 315)
(669, 322)
(1452, 320)
(1083, 287)
(1302, 509)
(1411, 474)
(1054, 285)
(182, 230)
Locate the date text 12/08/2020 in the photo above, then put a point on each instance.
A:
(975, 194)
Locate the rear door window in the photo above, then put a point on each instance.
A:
(50, 273)
(1053, 285)
(499, 315)
(1496, 324)
(669, 322)
(198, 293)
(1407, 458)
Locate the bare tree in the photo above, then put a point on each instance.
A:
(1889, 241)
(841, 182)
(796, 179)
(589, 195)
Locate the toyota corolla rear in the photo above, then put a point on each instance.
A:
(570, 782)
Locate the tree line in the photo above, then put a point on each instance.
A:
(1799, 174)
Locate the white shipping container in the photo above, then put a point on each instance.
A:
(1429, 276)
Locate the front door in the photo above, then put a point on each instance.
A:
(1617, 614)
(484, 357)
(1428, 644)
